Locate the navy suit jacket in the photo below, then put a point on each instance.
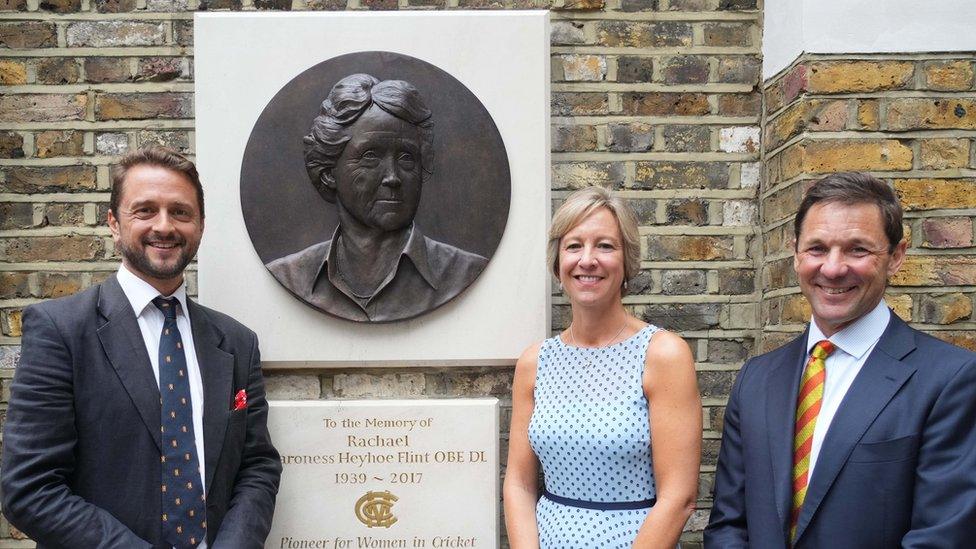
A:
(897, 467)
(81, 444)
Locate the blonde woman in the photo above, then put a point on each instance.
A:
(609, 407)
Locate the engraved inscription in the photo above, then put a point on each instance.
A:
(380, 474)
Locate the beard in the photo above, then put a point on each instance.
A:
(139, 260)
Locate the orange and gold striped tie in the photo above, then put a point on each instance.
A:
(807, 409)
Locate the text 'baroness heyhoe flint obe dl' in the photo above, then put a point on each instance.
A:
(386, 474)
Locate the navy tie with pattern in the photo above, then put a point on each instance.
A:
(184, 520)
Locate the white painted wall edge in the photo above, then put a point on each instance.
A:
(792, 27)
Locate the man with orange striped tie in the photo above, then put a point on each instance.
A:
(860, 433)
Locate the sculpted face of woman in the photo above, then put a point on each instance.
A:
(378, 175)
(591, 260)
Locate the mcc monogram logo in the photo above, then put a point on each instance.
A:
(376, 509)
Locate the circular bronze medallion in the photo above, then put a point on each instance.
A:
(375, 187)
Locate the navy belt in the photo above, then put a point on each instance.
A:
(600, 505)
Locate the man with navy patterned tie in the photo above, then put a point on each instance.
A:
(137, 417)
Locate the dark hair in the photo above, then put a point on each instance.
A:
(350, 98)
(855, 188)
(153, 155)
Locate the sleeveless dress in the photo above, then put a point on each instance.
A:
(590, 431)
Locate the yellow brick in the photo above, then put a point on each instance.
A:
(58, 284)
(779, 274)
(576, 175)
(921, 270)
(774, 340)
(950, 76)
(791, 162)
(931, 194)
(845, 155)
(946, 309)
(782, 203)
(796, 309)
(786, 124)
(584, 67)
(59, 143)
(780, 239)
(814, 114)
(965, 339)
(831, 118)
(13, 73)
(915, 271)
(859, 76)
(17, 534)
(923, 114)
(868, 114)
(579, 5)
(939, 154)
(13, 327)
(901, 304)
(689, 248)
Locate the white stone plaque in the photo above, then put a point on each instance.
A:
(241, 62)
(386, 473)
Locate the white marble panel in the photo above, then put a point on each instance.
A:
(394, 473)
(243, 59)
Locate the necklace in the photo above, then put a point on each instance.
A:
(592, 350)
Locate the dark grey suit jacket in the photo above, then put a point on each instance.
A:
(81, 445)
(897, 465)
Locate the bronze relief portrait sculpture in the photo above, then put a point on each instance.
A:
(369, 152)
(351, 203)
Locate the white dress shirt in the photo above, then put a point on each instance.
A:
(853, 347)
(140, 295)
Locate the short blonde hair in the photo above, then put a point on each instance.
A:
(577, 207)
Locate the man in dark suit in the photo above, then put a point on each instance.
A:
(860, 432)
(137, 420)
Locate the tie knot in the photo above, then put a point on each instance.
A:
(167, 306)
(823, 349)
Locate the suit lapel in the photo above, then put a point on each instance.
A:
(217, 372)
(123, 344)
(881, 377)
(782, 388)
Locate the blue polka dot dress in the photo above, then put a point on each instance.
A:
(590, 431)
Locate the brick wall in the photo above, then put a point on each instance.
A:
(656, 99)
(910, 119)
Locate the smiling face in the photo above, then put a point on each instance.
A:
(591, 260)
(158, 225)
(842, 262)
(378, 176)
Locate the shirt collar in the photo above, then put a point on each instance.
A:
(415, 250)
(859, 336)
(141, 293)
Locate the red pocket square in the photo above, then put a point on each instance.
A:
(240, 400)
